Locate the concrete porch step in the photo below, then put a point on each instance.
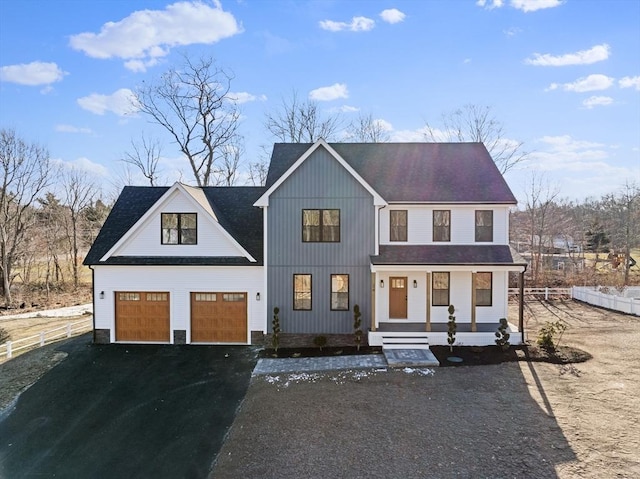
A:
(397, 341)
(400, 358)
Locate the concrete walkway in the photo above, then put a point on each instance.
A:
(390, 358)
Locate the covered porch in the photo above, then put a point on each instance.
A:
(412, 287)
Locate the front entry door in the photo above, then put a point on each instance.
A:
(398, 298)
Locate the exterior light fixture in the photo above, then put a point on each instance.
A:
(415, 283)
(382, 283)
(257, 296)
(101, 294)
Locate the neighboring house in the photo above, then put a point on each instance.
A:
(403, 230)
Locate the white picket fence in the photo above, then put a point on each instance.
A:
(8, 349)
(591, 295)
(546, 293)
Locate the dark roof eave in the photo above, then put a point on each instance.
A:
(177, 261)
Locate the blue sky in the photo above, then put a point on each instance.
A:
(561, 76)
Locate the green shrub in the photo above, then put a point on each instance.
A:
(548, 332)
(320, 341)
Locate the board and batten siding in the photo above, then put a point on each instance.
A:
(147, 239)
(179, 282)
(320, 182)
(463, 223)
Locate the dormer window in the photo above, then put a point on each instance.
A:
(179, 228)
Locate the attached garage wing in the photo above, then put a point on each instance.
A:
(218, 317)
(142, 316)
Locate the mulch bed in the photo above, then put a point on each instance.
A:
(470, 355)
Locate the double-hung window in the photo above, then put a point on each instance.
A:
(441, 225)
(321, 226)
(340, 292)
(179, 228)
(483, 289)
(484, 225)
(440, 289)
(398, 221)
(302, 292)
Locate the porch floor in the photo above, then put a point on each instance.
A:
(435, 327)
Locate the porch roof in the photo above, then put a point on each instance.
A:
(445, 255)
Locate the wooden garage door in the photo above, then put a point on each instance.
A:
(218, 317)
(142, 316)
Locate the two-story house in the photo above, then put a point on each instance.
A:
(401, 229)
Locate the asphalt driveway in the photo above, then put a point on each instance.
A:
(126, 411)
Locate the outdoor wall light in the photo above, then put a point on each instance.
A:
(382, 283)
(101, 294)
(257, 296)
(415, 283)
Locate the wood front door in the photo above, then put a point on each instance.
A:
(398, 298)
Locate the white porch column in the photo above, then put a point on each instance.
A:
(473, 302)
(374, 278)
(428, 304)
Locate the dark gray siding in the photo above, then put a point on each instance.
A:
(322, 183)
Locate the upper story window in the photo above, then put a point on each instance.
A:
(398, 220)
(179, 228)
(441, 225)
(321, 226)
(484, 225)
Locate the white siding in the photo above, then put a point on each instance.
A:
(179, 281)
(420, 223)
(146, 240)
(459, 296)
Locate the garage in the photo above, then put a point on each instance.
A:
(142, 316)
(218, 317)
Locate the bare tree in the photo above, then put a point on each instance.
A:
(473, 123)
(79, 192)
(299, 121)
(144, 155)
(258, 173)
(367, 130)
(52, 214)
(194, 105)
(25, 172)
(229, 163)
(540, 198)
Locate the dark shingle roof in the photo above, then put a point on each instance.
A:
(414, 172)
(494, 255)
(233, 207)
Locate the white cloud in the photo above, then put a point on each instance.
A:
(533, 5)
(120, 102)
(597, 101)
(147, 35)
(329, 93)
(512, 31)
(392, 15)
(595, 54)
(344, 109)
(72, 129)
(524, 5)
(245, 97)
(83, 164)
(490, 4)
(358, 24)
(590, 83)
(34, 73)
(630, 82)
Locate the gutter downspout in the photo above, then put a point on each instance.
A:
(93, 300)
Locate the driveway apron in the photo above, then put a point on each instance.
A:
(126, 411)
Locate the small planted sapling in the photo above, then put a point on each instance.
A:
(275, 337)
(451, 327)
(357, 326)
(320, 341)
(502, 335)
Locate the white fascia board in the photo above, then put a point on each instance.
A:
(199, 204)
(264, 199)
(397, 268)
